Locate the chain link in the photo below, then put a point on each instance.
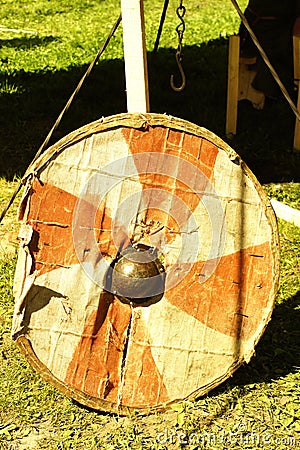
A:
(180, 29)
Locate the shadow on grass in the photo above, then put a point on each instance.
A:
(278, 351)
(264, 138)
(27, 42)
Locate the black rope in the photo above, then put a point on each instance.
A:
(65, 109)
(161, 24)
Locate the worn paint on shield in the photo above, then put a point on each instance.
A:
(203, 328)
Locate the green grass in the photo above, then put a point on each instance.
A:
(38, 72)
(68, 34)
(261, 398)
(288, 193)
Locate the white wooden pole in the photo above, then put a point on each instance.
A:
(135, 56)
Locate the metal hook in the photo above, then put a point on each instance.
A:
(183, 79)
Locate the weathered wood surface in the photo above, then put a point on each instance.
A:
(135, 56)
(166, 183)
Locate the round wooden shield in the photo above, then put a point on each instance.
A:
(118, 332)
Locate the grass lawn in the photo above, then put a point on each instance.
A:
(259, 407)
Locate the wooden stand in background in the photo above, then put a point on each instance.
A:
(241, 73)
(296, 48)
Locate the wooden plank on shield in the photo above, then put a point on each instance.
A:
(135, 56)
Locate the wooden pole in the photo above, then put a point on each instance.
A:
(136, 72)
(232, 85)
(296, 48)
